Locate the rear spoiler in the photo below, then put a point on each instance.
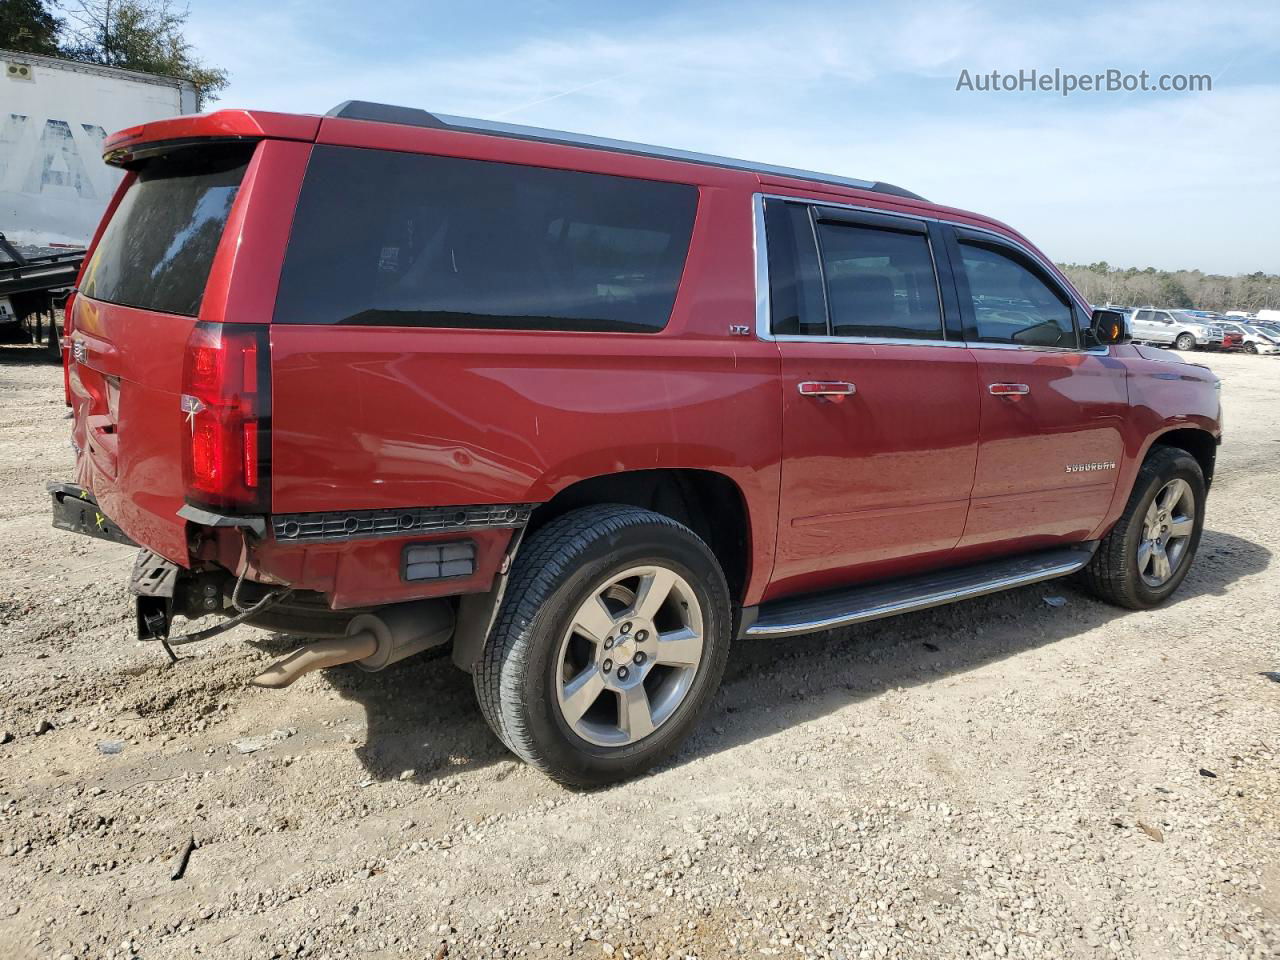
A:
(122, 148)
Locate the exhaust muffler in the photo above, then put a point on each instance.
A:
(373, 641)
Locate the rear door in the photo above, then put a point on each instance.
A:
(1052, 410)
(880, 412)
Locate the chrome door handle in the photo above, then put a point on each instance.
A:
(1009, 389)
(833, 391)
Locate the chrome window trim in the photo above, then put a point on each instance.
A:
(763, 318)
(762, 269)
(872, 341)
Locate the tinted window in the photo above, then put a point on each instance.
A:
(797, 307)
(880, 283)
(158, 248)
(1145, 316)
(1011, 304)
(403, 239)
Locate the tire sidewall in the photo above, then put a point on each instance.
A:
(1184, 468)
(641, 545)
(1181, 342)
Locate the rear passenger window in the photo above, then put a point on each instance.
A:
(1011, 304)
(880, 283)
(797, 306)
(383, 238)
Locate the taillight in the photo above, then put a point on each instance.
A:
(66, 346)
(226, 417)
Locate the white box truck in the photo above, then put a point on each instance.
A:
(54, 187)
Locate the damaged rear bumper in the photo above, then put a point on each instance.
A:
(76, 509)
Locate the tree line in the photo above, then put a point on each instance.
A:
(1180, 289)
(145, 35)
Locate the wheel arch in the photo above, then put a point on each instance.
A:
(1201, 444)
(709, 503)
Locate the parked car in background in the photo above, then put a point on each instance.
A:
(1253, 338)
(1175, 328)
(592, 411)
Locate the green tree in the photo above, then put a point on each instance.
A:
(29, 27)
(144, 35)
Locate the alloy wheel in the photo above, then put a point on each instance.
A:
(1166, 532)
(629, 656)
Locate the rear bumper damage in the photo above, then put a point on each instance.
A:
(77, 510)
(463, 576)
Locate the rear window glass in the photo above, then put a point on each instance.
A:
(383, 238)
(158, 248)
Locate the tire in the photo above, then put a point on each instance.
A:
(1114, 573)
(524, 675)
(1184, 341)
(1250, 348)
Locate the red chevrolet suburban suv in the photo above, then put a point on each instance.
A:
(589, 411)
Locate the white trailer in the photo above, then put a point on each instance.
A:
(54, 115)
(54, 187)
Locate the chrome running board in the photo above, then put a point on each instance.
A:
(840, 608)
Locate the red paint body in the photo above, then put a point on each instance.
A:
(920, 468)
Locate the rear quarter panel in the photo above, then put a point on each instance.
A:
(383, 417)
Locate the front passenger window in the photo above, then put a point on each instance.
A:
(1011, 304)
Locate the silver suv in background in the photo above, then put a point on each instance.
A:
(1175, 328)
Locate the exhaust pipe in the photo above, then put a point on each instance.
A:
(373, 641)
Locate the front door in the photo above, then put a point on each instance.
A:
(1050, 444)
(880, 411)
(1153, 326)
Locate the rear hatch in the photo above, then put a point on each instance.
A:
(140, 296)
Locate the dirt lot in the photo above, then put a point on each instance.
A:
(1001, 778)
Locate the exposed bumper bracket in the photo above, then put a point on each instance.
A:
(207, 518)
(75, 509)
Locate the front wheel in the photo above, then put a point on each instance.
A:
(610, 642)
(1250, 348)
(1185, 341)
(1148, 552)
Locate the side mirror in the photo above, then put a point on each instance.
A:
(1109, 327)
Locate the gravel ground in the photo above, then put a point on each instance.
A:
(1000, 778)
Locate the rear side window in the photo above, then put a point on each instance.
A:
(157, 250)
(383, 238)
(1011, 304)
(880, 283)
(797, 303)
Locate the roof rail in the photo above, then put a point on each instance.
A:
(417, 117)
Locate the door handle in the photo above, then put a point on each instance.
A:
(1009, 389)
(832, 391)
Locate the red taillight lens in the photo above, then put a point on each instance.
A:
(66, 346)
(226, 417)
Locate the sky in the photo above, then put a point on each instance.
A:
(1172, 180)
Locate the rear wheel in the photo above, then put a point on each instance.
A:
(1149, 551)
(1185, 341)
(609, 645)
